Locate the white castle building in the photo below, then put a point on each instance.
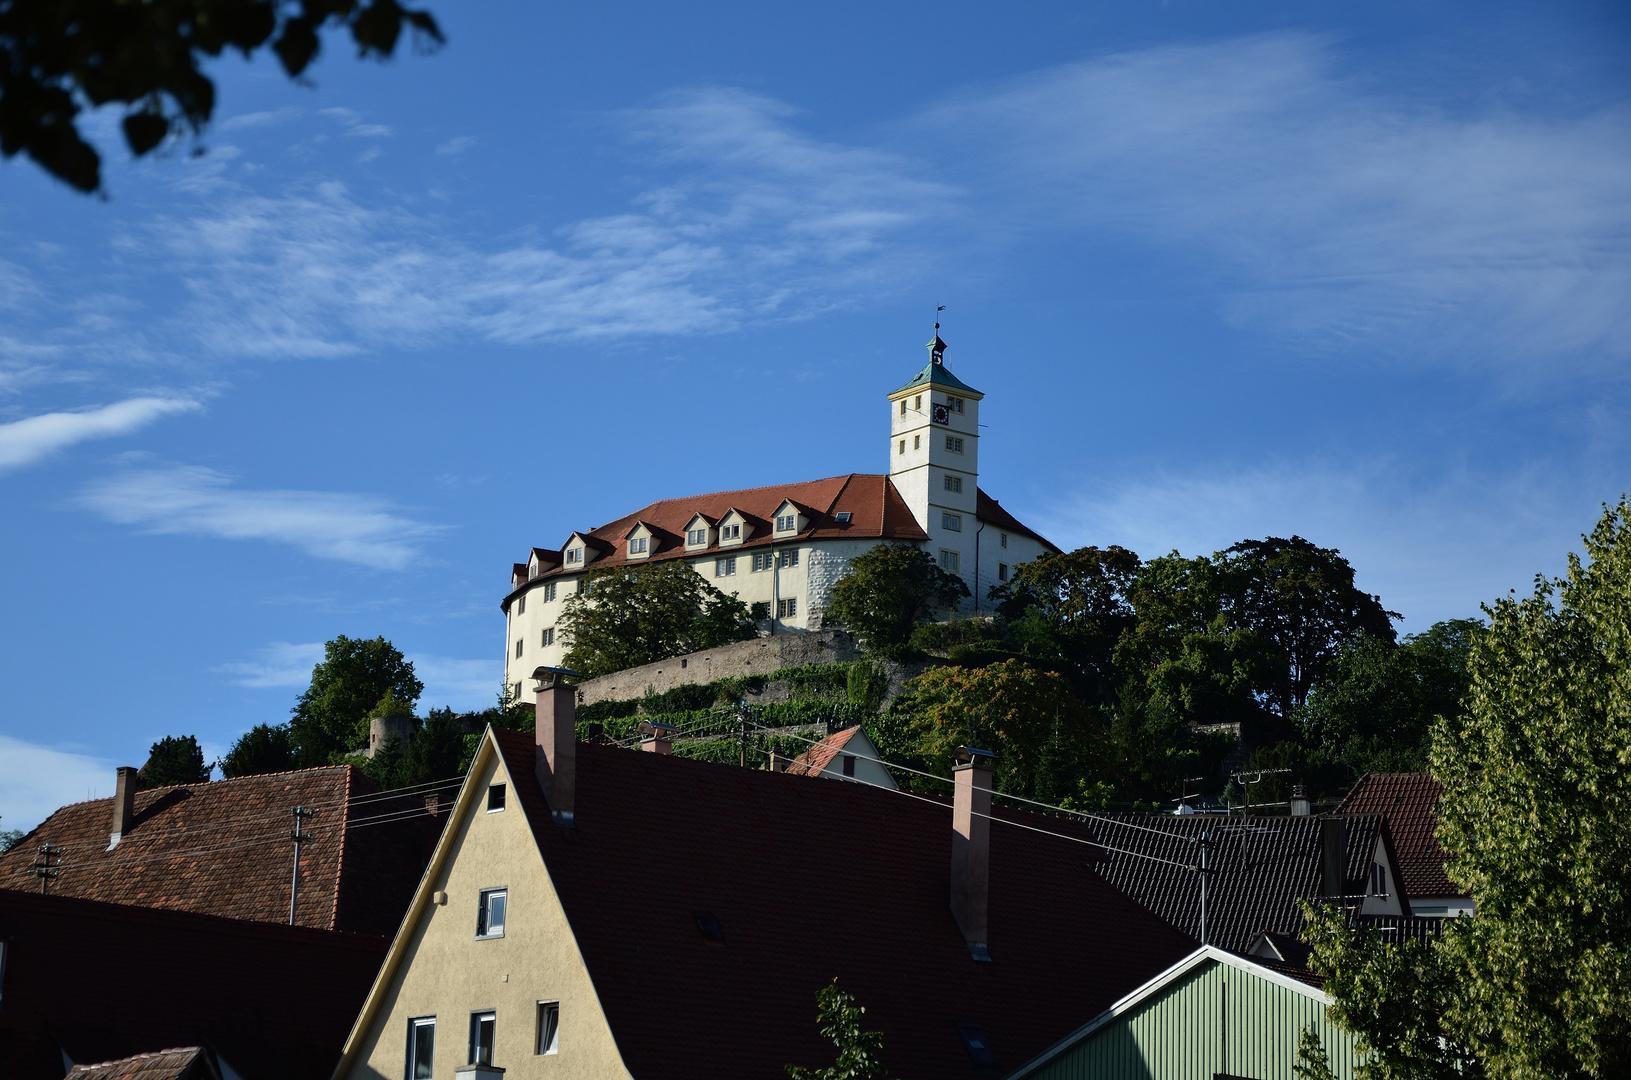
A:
(781, 549)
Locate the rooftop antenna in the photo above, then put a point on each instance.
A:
(1245, 784)
(937, 348)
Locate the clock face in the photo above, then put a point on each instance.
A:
(941, 414)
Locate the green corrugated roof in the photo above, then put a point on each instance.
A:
(934, 374)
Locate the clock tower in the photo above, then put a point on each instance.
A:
(934, 456)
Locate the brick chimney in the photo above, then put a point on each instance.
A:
(556, 732)
(124, 804)
(658, 737)
(778, 763)
(1332, 857)
(971, 847)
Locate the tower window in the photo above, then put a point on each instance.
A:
(955, 404)
(903, 406)
(903, 446)
(1003, 538)
(954, 444)
(787, 609)
(948, 561)
(917, 442)
(951, 522)
(917, 403)
(521, 604)
(547, 638)
(954, 484)
(638, 545)
(518, 648)
(725, 567)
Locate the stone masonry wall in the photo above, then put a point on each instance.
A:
(760, 656)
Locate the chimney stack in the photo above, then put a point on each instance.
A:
(658, 737)
(1332, 860)
(556, 732)
(971, 847)
(778, 763)
(124, 803)
(1299, 802)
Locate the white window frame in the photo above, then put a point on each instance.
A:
(501, 792)
(955, 404)
(725, 567)
(547, 1039)
(518, 642)
(697, 537)
(950, 561)
(787, 522)
(953, 484)
(730, 532)
(954, 445)
(574, 555)
(787, 607)
(476, 1017)
(418, 1027)
(549, 592)
(484, 929)
(521, 604)
(787, 558)
(639, 545)
(546, 637)
(761, 561)
(951, 522)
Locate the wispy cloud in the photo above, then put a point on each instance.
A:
(23, 442)
(1323, 207)
(277, 664)
(456, 145)
(38, 780)
(191, 500)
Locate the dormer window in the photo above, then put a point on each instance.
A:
(730, 532)
(696, 537)
(639, 545)
(574, 556)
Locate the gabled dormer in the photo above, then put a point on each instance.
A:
(642, 541)
(580, 550)
(541, 561)
(700, 532)
(519, 573)
(737, 527)
(790, 519)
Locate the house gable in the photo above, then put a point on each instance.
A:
(438, 967)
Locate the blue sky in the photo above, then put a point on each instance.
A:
(1358, 272)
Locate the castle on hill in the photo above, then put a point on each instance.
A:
(780, 549)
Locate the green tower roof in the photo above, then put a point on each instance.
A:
(934, 373)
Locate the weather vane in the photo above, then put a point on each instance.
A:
(937, 348)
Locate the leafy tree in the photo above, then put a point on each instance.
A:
(1536, 813)
(1073, 606)
(434, 750)
(622, 617)
(9, 838)
(840, 1020)
(1026, 716)
(264, 748)
(175, 759)
(354, 676)
(59, 56)
(888, 591)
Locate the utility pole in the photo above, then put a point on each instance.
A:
(1205, 843)
(43, 867)
(300, 815)
(742, 715)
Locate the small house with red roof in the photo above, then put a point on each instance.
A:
(781, 549)
(849, 754)
(1409, 802)
(595, 911)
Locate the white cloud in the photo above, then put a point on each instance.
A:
(462, 685)
(456, 145)
(265, 118)
(23, 442)
(38, 780)
(1431, 549)
(360, 529)
(1325, 208)
(277, 664)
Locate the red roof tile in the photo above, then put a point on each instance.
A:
(223, 848)
(820, 755)
(105, 981)
(182, 1063)
(1409, 801)
(814, 881)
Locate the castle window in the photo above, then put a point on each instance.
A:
(574, 555)
(917, 403)
(730, 532)
(549, 591)
(903, 406)
(761, 561)
(948, 561)
(547, 638)
(788, 558)
(917, 442)
(1003, 538)
(518, 648)
(521, 604)
(787, 609)
(696, 537)
(954, 444)
(638, 545)
(1002, 571)
(951, 522)
(955, 484)
(724, 567)
(903, 446)
(955, 404)
(787, 523)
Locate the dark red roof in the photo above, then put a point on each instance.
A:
(223, 848)
(815, 881)
(181, 1063)
(990, 510)
(104, 981)
(1409, 801)
(820, 754)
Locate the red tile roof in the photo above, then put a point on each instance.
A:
(223, 848)
(182, 1063)
(810, 882)
(104, 981)
(820, 755)
(1409, 801)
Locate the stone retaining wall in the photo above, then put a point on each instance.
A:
(760, 656)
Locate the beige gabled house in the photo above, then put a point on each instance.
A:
(594, 911)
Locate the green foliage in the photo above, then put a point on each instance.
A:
(175, 759)
(435, 750)
(1537, 816)
(1391, 996)
(1312, 1063)
(866, 683)
(888, 591)
(264, 748)
(353, 679)
(59, 57)
(840, 1020)
(1073, 607)
(9, 838)
(814, 682)
(624, 617)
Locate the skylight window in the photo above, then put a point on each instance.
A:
(979, 1051)
(709, 927)
(844, 517)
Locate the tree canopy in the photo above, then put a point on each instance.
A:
(840, 1020)
(175, 759)
(888, 591)
(622, 617)
(58, 57)
(354, 677)
(264, 748)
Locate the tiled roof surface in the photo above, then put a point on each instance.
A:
(934, 374)
(1409, 801)
(1261, 867)
(105, 981)
(811, 882)
(820, 754)
(182, 1063)
(224, 848)
(991, 511)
